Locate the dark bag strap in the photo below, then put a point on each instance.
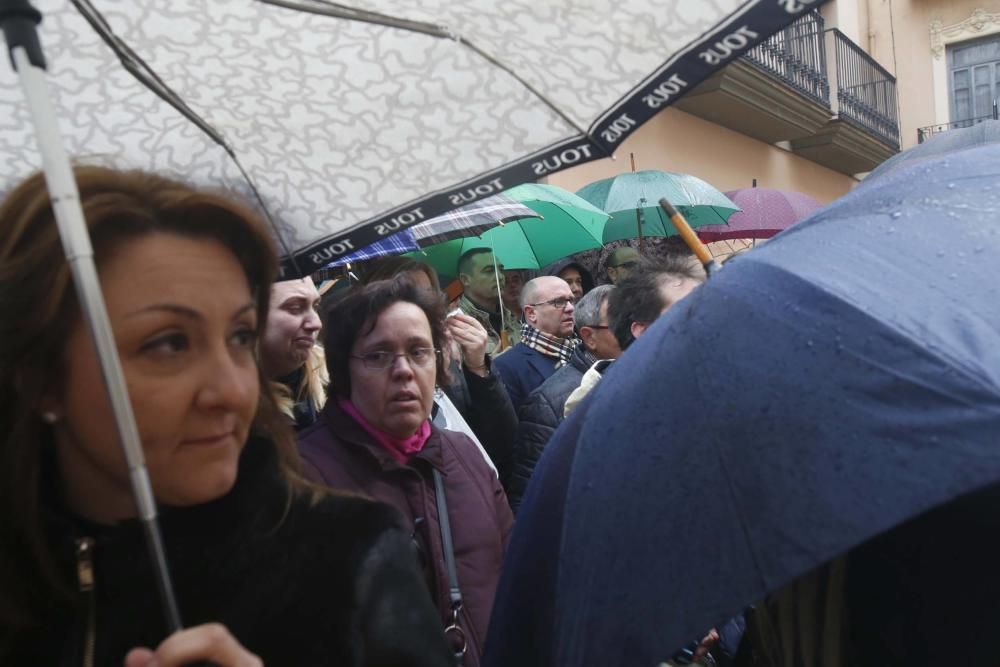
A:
(453, 632)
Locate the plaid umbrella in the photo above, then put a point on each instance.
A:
(470, 220)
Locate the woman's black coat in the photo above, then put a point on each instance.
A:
(297, 583)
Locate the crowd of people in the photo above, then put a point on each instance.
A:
(338, 473)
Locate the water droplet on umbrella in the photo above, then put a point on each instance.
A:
(809, 342)
(940, 253)
(895, 215)
(979, 249)
(952, 276)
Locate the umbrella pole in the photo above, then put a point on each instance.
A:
(638, 212)
(504, 338)
(19, 19)
(638, 224)
(684, 229)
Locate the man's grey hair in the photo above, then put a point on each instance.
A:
(587, 311)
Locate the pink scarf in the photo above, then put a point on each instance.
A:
(402, 449)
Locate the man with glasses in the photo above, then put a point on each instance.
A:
(650, 291)
(547, 340)
(542, 411)
(621, 262)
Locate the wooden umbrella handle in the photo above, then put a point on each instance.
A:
(692, 240)
(684, 229)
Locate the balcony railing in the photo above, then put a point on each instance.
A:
(796, 56)
(924, 132)
(866, 92)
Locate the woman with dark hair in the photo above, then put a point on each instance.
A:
(265, 566)
(383, 343)
(468, 387)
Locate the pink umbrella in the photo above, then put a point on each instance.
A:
(765, 213)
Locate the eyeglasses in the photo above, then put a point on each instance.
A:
(624, 265)
(379, 360)
(559, 303)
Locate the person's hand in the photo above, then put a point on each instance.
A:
(472, 338)
(210, 643)
(706, 643)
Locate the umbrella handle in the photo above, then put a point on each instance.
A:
(692, 240)
(18, 20)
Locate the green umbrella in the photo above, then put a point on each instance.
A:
(632, 198)
(568, 225)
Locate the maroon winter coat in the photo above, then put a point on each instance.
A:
(337, 452)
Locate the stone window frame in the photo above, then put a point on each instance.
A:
(979, 24)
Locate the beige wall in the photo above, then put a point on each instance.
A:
(677, 141)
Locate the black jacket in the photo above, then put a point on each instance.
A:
(485, 405)
(335, 583)
(538, 418)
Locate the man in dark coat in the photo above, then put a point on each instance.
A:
(542, 411)
(547, 340)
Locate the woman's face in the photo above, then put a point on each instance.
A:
(396, 399)
(185, 324)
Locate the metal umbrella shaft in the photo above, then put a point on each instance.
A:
(19, 20)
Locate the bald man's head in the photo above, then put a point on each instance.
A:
(547, 305)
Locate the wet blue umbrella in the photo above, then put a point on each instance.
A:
(939, 145)
(821, 390)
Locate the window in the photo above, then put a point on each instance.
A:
(975, 80)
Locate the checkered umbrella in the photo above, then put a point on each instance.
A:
(470, 220)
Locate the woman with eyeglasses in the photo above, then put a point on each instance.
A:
(374, 437)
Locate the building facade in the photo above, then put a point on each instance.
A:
(817, 106)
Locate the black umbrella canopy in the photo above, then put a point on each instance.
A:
(823, 389)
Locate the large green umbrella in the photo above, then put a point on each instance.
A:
(632, 198)
(568, 225)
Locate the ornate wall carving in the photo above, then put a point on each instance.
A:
(979, 23)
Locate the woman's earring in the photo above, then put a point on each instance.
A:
(50, 417)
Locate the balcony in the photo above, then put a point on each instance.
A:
(776, 92)
(780, 91)
(864, 131)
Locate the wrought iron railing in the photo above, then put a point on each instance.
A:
(796, 55)
(925, 132)
(866, 92)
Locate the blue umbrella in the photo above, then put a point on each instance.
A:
(820, 391)
(939, 145)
